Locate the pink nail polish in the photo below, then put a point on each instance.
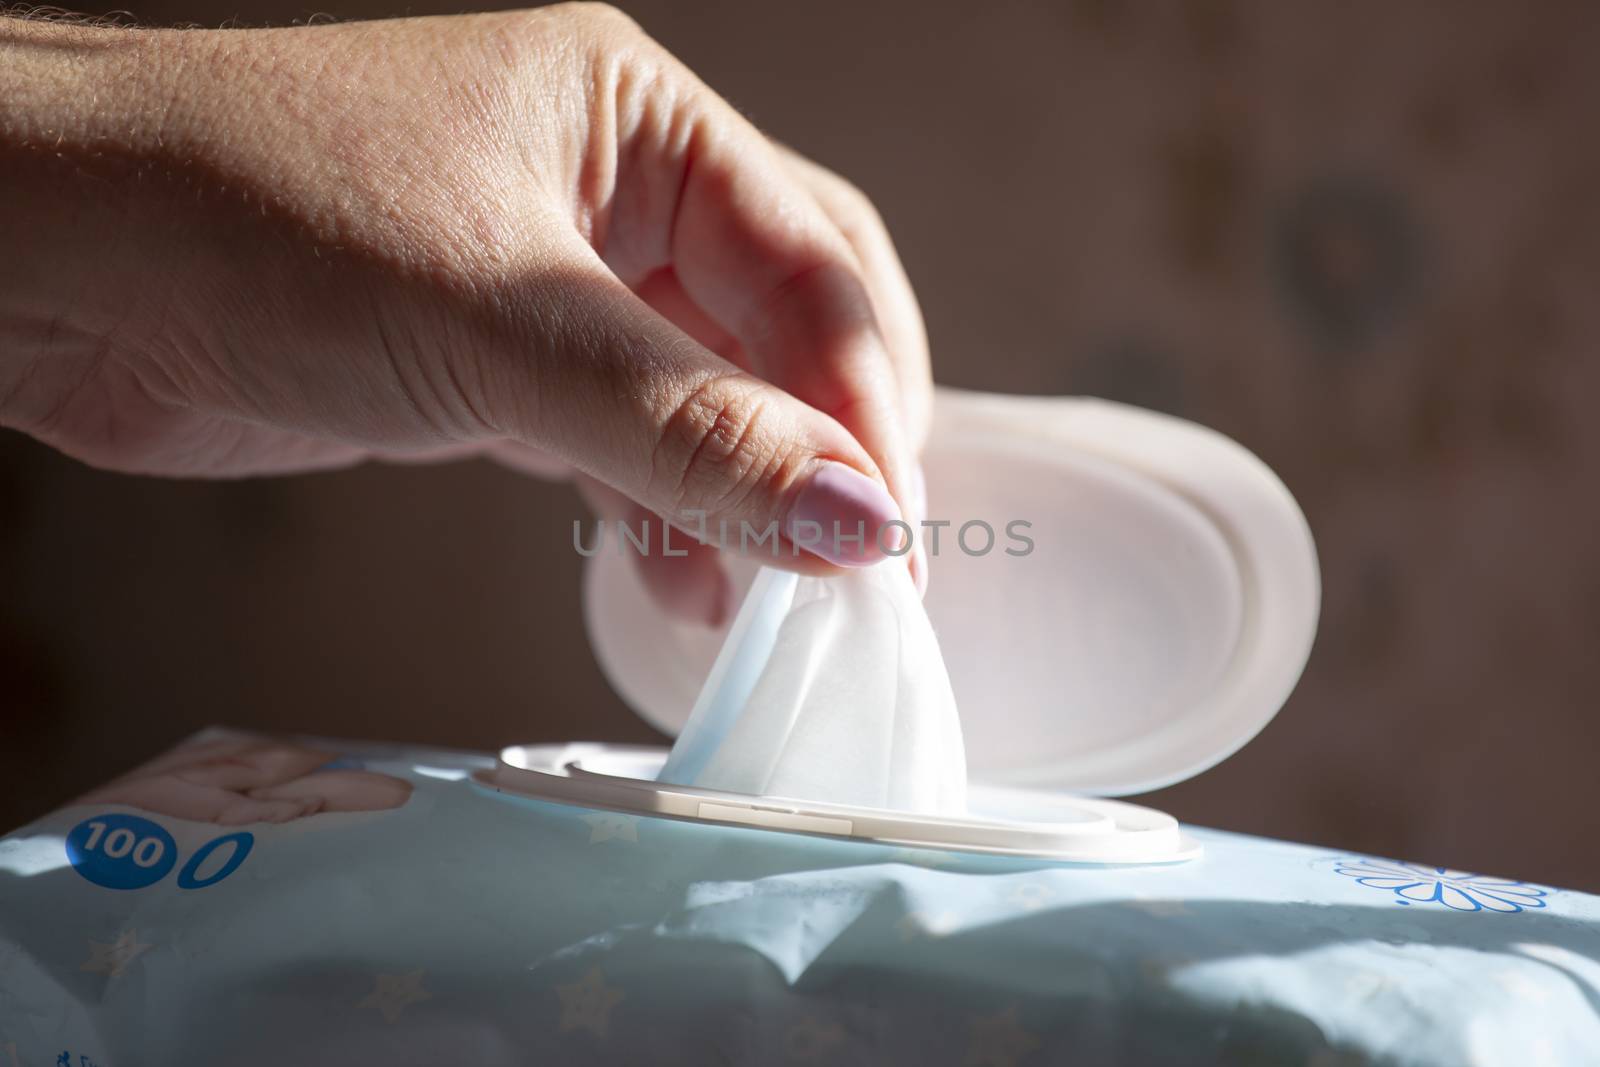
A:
(838, 515)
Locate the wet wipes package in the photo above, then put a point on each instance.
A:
(884, 834)
(254, 901)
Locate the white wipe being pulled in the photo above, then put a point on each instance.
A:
(833, 690)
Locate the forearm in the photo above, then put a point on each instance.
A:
(82, 111)
(154, 181)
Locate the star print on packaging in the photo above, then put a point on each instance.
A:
(586, 1004)
(611, 826)
(113, 959)
(999, 1040)
(812, 1039)
(392, 994)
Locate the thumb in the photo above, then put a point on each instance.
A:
(629, 399)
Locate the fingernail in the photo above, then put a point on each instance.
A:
(838, 515)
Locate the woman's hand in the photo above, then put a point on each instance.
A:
(532, 234)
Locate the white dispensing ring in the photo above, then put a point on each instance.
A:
(1003, 821)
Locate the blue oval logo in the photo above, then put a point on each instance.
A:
(120, 851)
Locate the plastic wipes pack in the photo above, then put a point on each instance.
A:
(829, 689)
(250, 901)
(829, 866)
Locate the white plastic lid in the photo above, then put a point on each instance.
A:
(999, 821)
(1162, 617)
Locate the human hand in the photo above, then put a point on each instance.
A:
(534, 234)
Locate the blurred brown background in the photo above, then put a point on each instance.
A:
(1362, 238)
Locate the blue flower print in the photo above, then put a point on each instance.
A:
(1416, 883)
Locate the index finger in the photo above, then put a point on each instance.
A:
(752, 247)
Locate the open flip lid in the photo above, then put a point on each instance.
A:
(1149, 619)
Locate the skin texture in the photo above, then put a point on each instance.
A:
(533, 235)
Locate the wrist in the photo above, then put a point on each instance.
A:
(82, 112)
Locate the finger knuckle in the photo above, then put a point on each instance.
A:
(603, 18)
(855, 201)
(718, 447)
(582, 33)
(844, 198)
